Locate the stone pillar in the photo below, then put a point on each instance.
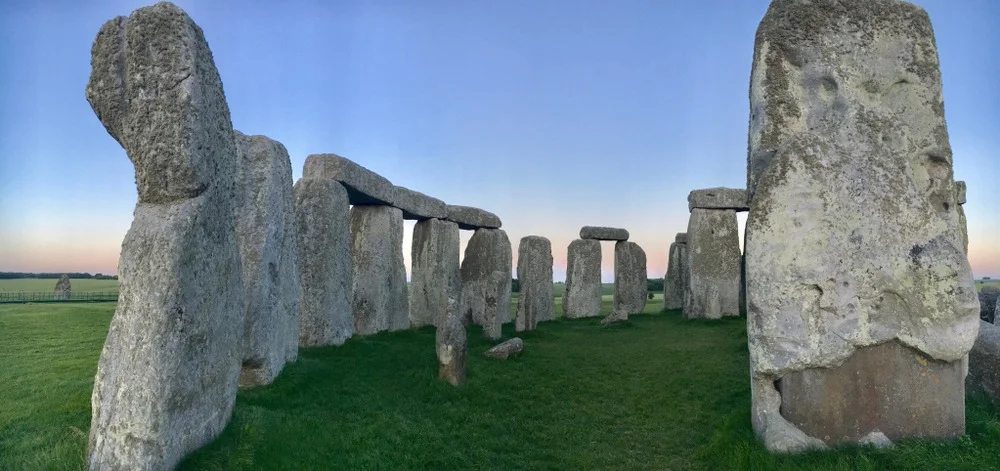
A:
(630, 278)
(452, 349)
(984, 362)
(379, 298)
(963, 224)
(435, 280)
(673, 283)
(63, 290)
(582, 297)
(713, 252)
(486, 281)
(535, 303)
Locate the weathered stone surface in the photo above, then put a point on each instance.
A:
(984, 362)
(325, 266)
(470, 219)
(853, 258)
(452, 349)
(435, 279)
(63, 289)
(960, 190)
(876, 439)
(508, 349)
(418, 206)
(582, 297)
(269, 251)
(379, 300)
(681, 238)
(535, 302)
(364, 187)
(673, 283)
(630, 278)
(963, 223)
(167, 376)
(603, 233)
(714, 265)
(486, 280)
(718, 198)
(616, 316)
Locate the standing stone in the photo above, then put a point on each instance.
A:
(535, 303)
(714, 265)
(325, 267)
(379, 282)
(963, 223)
(167, 376)
(630, 278)
(984, 362)
(582, 297)
(268, 248)
(452, 349)
(673, 283)
(63, 290)
(435, 280)
(861, 303)
(486, 281)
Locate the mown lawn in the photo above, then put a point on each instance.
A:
(656, 393)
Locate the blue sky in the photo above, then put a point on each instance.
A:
(552, 114)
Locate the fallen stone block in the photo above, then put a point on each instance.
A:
(507, 349)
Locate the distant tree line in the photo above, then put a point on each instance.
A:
(8, 275)
(652, 285)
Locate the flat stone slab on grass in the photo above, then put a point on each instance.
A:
(507, 349)
(719, 198)
(470, 219)
(364, 187)
(418, 206)
(603, 233)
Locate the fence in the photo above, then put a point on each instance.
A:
(50, 297)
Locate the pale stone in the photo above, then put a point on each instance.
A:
(63, 290)
(452, 349)
(435, 279)
(508, 349)
(681, 238)
(582, 297)
(852, 241)
(960, 190)
(486, 281)
(469, 218)
(984, 362)
(876, 439)
(713, 264)
(630, 278)
(364, 187)
(673, 282)
(603, 233)
(418, 206)
(718, 198)
(168, 374)
(963, 223)
(535, 302)
(616, 316)
(378, 286)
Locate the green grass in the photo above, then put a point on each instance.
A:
(77, 285)
(655, 393)
(980, 284)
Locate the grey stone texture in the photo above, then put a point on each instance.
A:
(63, 289)
(960, 192)
(582, 297)
(325, 266)
(269, 251)
(714, 265)
(854, 264)
(452, 349)
(681, 237)
(379, 291)
(616, 316)
(718, 198)
(364, 187)
(603, 233)
(984, 362)
(963, 223)
(630, 278)
(168, 374)
(507, 349)
(470, 219)
(674, 281)
(486, 281)
(418, 206)
(435, 277)
(536, 301)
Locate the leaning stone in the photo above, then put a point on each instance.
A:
(435, 279)
(269, 251)
(486, 281)
(630, 278)
(853, 286)
(535, 303)
(984, 362)
(168, 374)
(603, 233)
(616, 317)
(470, 219)
(63, 290)
(714, 265)
(718, 198)
(673, 283)
(507, 349)
(364, 187)
(582, 297)
(379, 299)
(418, 206)
(452, 348)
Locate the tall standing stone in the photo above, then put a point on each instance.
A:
(435, 280)
(714, 265)
(486, 281)
(861, 303)
(452, 349)
(379, 282)
(325, 267)
(63, 290)
(963, 223)
(582, 297)
(167, 376)
(673, 283)
(535, 302)
(268, 248)
(630, 278)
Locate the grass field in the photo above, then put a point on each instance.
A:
(655, 393)
(77, 285)
(980, 284)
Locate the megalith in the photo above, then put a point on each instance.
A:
(630, 278)
(984, 362)
(535, 302)
(673, 283)
(603, 233)
(486, 281)
(435, 279)
(63, 290)
(963, 223)
(861, 303)
(379, 286)
(269, 251)
(167, 376)
(582, 297)
(714, 265)
(452, 350)
(325, 266)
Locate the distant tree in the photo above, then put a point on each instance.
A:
(988, 302)
(515, 285)
(650, 295)
(654, 285)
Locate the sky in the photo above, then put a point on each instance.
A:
(553, 114)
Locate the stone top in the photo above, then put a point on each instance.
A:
(470, 218)
(363, 186)
(719, 198)
(603, 233)
(681, 238)
(418, 206)
(960, 190)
